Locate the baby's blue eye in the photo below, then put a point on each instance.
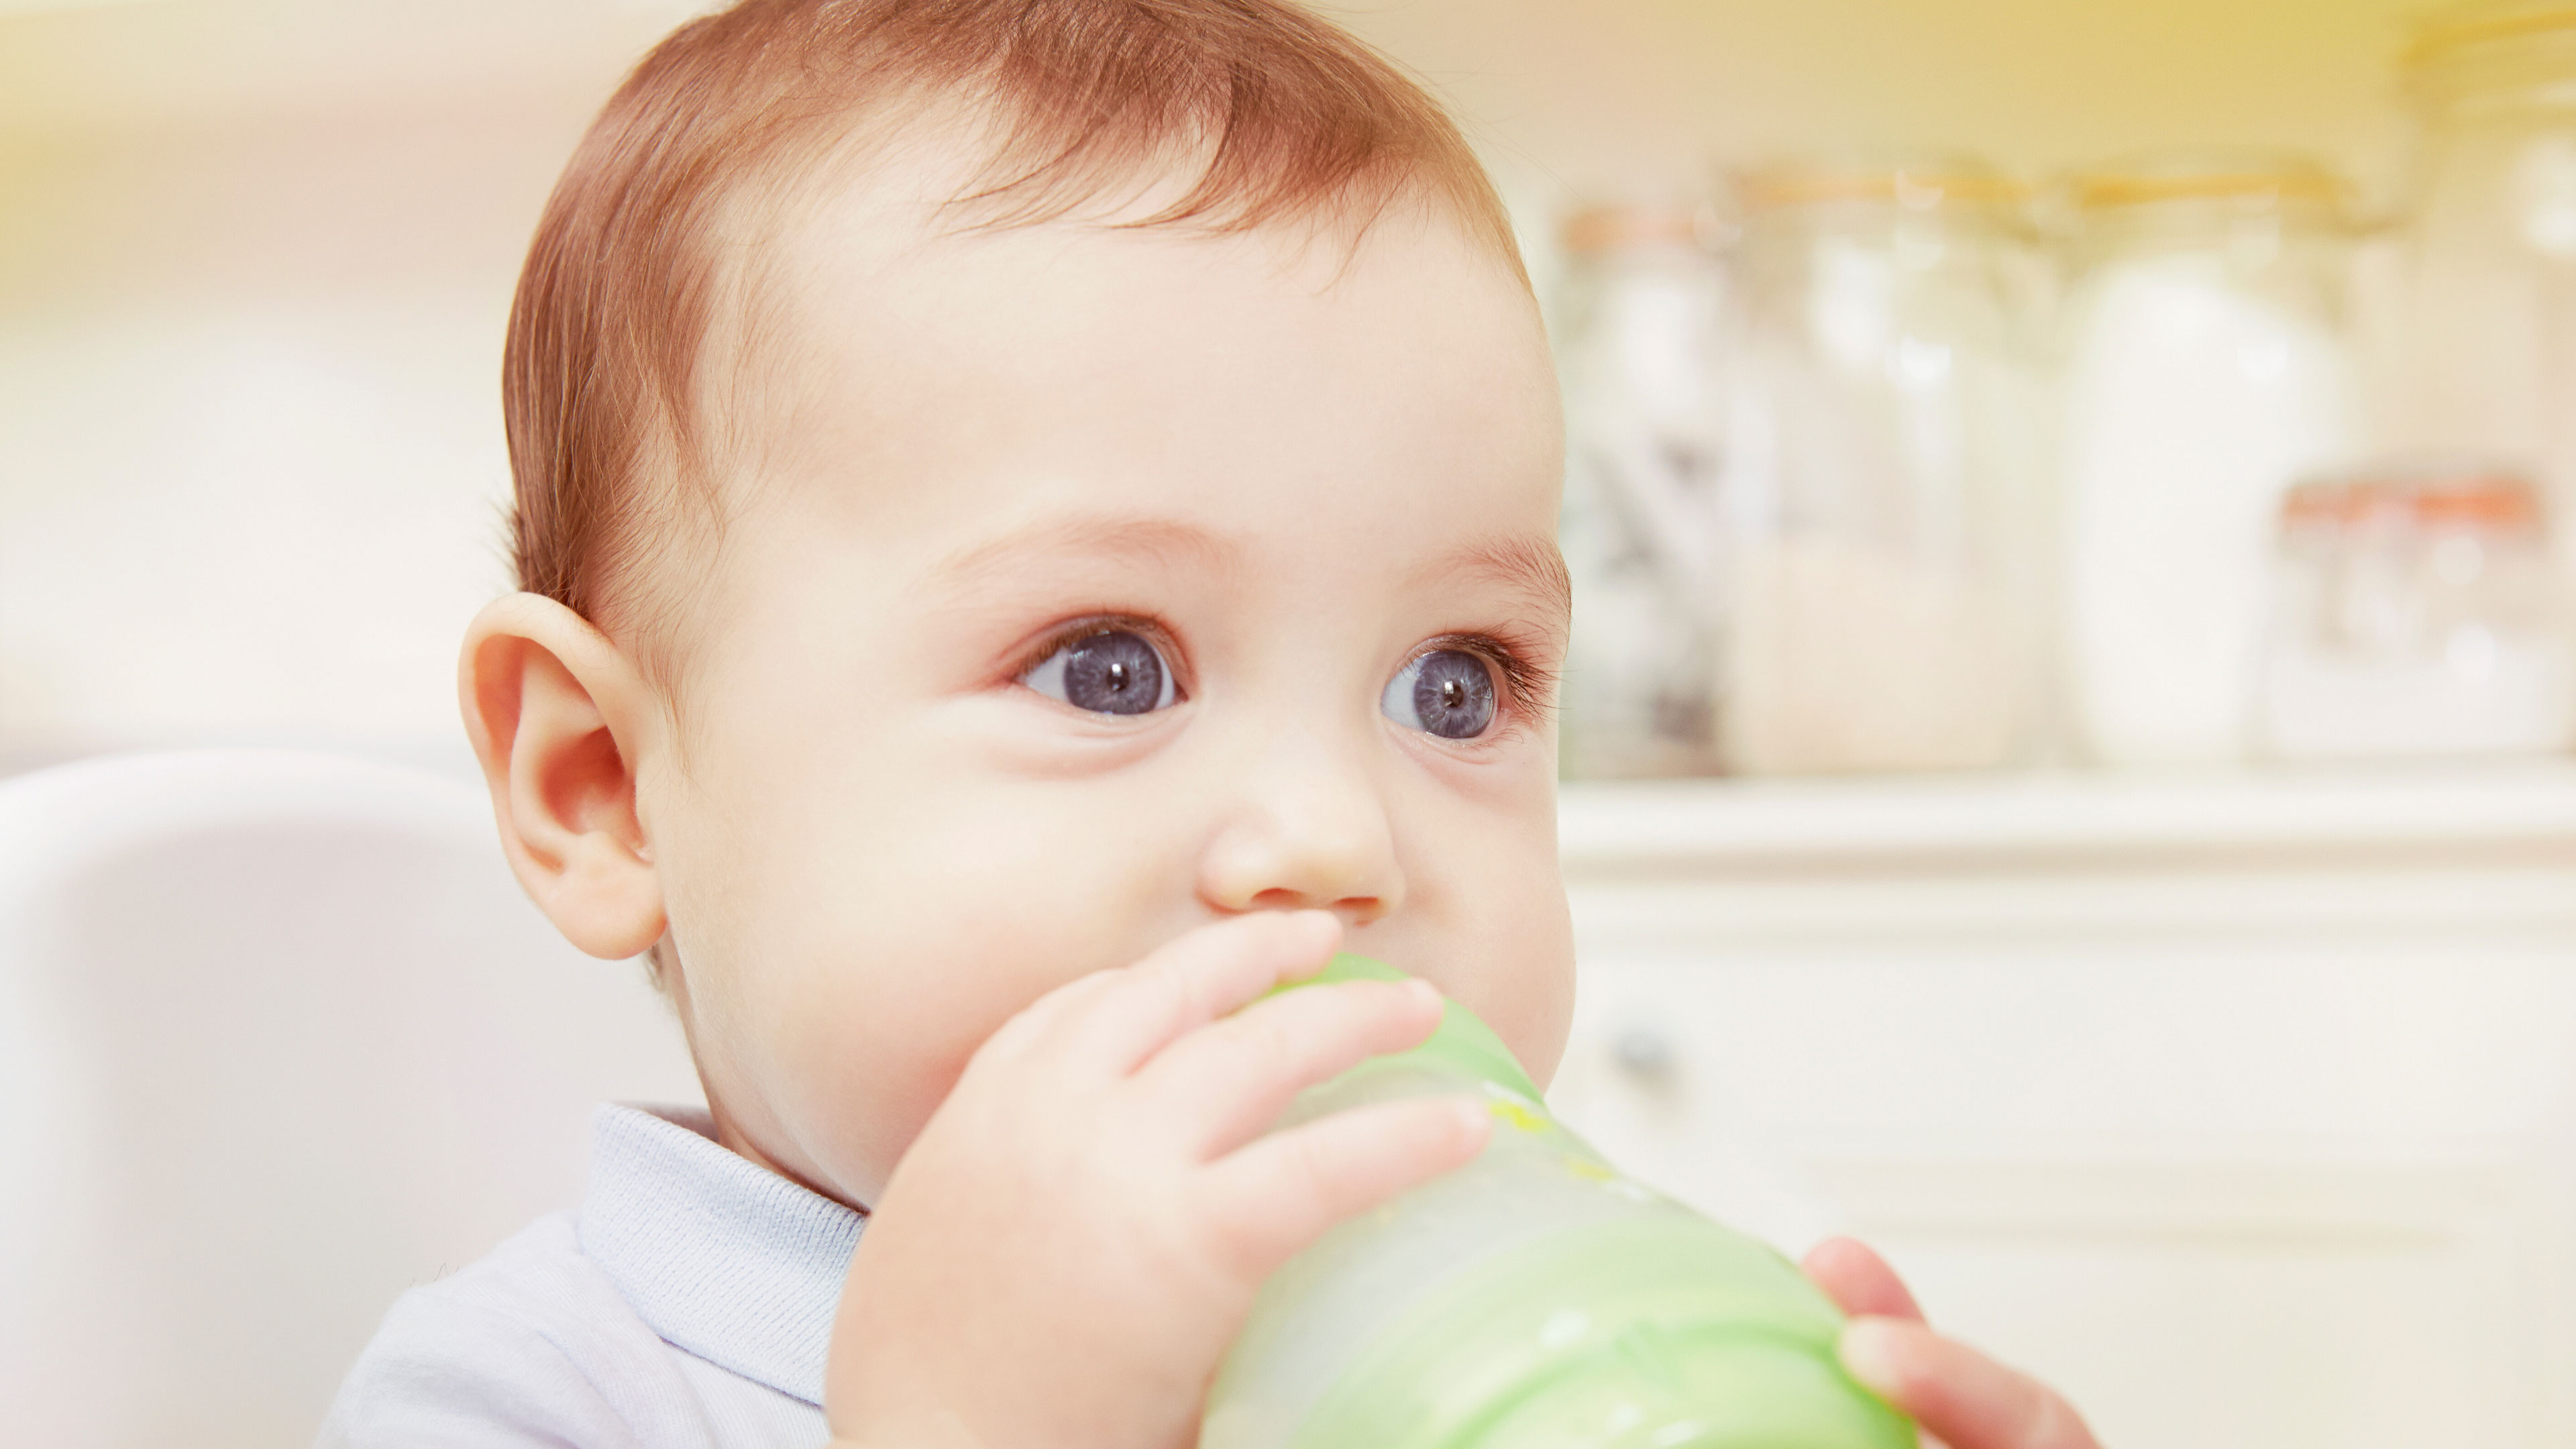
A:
(1447, 692)
(1111, 672)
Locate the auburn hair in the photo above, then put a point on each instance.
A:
(1282, 115)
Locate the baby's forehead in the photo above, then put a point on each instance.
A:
(901, 214)
(870, 289)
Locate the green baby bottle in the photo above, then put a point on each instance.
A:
(1533, 1299)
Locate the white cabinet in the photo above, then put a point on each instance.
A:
(2243, 1109)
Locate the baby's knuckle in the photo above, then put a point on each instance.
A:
(1094, 992)
(1246, 1245)
(1265, 1045)
(1303, 1200)
(1013, 1041)
(1324, 1186)
(1162, 988)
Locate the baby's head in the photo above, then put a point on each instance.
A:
(1001, 483)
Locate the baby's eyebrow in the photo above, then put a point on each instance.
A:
(978, 567)
(1528, 566)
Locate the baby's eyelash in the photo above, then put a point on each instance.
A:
(1106, 623)
(1515, 656)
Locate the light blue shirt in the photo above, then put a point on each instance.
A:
(688, 1303)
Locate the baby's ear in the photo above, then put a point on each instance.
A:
(556, 713)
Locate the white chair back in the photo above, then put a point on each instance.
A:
(279, 1037)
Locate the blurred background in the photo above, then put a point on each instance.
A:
(2071, 509)
(1874, 317)
(1819, 272)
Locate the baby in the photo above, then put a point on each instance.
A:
(1037, 525)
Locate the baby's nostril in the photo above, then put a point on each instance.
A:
(1354, 910)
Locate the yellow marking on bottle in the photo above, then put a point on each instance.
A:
(1518, 1115)
(1589, 1170)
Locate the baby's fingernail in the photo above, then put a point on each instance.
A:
(1873, 1352)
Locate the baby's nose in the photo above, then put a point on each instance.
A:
(1314, 844)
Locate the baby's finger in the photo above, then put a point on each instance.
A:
(1227, 1083)
(1956, 1393)
(1859, 1280)
(1192, 980)
(1041, 1020)
(1277, 1195)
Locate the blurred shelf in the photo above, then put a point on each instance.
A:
(2053, 821)
(2258, 1081)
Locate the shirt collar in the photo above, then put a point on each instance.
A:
(722, 1258)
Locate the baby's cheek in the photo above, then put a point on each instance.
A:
(1539, 1014)
(1525, 986)
(881, 1051)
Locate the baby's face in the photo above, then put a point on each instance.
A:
(1086, 587)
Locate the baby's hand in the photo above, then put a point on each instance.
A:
(1068, 1248)
(1961, 1397)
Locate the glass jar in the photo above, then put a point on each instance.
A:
(2491, 338)
(2416, 614)
(1643, 323)
(2207, 365)
(1880, 576)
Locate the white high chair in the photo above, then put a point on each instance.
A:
(279, 1037)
